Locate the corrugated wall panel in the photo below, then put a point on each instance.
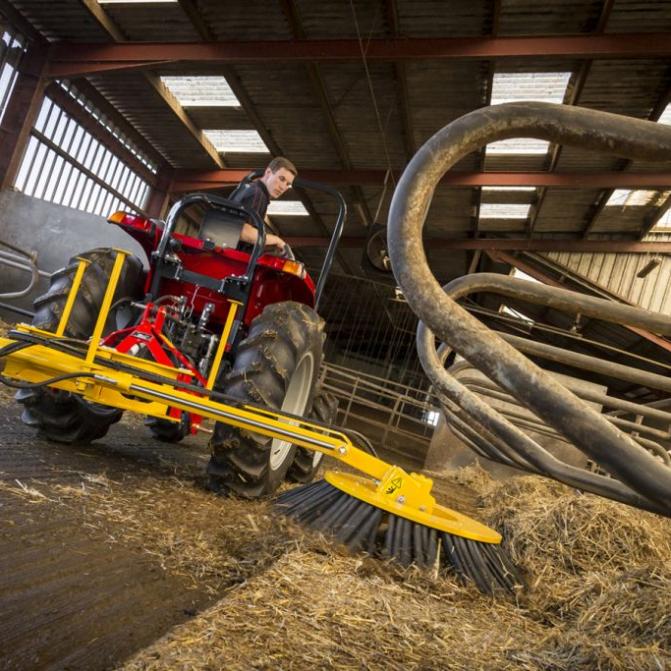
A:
(617, 273)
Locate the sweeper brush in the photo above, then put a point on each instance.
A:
(369, 516)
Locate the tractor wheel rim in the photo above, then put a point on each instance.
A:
(295, 402)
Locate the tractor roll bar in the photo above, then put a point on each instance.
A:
(638, 470)
(300, 183)
(215, 202)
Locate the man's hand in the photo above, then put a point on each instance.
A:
(275, 241)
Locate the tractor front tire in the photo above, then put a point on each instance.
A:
(306, 462)
(276, 366)
(59, 415)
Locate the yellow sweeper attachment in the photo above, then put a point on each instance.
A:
(389, 513)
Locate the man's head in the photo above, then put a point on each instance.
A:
(279, 176)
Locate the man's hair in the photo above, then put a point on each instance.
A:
(281, 162)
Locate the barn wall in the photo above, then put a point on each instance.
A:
(56, 233)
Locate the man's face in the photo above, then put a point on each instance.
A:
(278, 182)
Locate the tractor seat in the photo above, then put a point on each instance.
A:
(222, 227)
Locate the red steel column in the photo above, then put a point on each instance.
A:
(157, 203)
(22, 110)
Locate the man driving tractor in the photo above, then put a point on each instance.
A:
(277, 179)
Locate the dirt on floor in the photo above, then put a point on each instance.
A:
(115, 555)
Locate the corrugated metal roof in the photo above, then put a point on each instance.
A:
(352, 133)
(139, 20)
(529, 17)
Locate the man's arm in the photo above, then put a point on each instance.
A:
(250, 235)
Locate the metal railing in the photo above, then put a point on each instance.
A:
(394, 416)
(19, 259)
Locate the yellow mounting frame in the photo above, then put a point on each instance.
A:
(103, 375)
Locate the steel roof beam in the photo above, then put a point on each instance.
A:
(401, 78)
(69, 59)
(187, 180)
(623, 165)
(487, 100)
(508, 244)
(321, 93)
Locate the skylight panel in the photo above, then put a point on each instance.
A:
(518, 145)
(663, 224)
(666, 115)
(286, 208)
(631, 198)
(521, 275)
(137, 2)
(504, 211)
(520, 189)
(505, 310)
(664, 221)
(237, 141)
(205, 91)
(547, 87)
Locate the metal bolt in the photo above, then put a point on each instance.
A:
(342, 450)
(400, 499)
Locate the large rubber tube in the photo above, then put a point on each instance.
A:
(598, 131)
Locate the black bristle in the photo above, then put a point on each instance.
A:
(349, 505)
(365, 537)
(403, 549)
(450, 554)
(506, 572)
(361, 526)
(419, 544)
(389, 536)
(354, 523)
(300, 492)
(432, 548)
(476, 568)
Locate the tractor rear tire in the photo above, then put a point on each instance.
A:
(306, 462)
(276, 366)
(59, 415)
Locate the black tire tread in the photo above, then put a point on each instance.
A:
(58, 415)
(264, 364)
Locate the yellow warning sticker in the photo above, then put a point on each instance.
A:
(394, 485)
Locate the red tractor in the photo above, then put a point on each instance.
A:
(243, 324)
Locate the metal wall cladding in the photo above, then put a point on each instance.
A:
(618, 274)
